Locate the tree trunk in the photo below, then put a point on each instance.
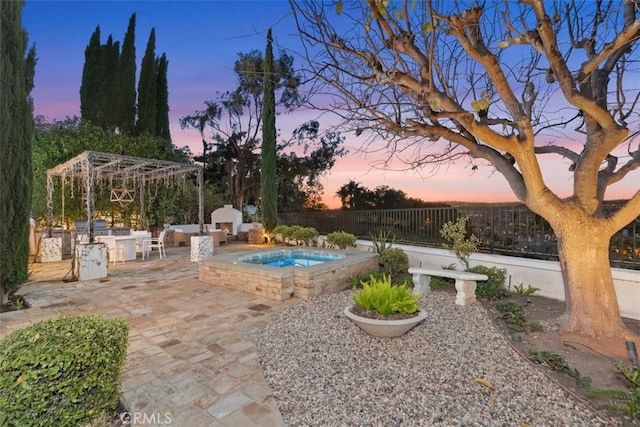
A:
(591, 301)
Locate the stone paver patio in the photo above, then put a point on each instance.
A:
(191, 359)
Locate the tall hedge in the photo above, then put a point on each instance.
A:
(16, 133)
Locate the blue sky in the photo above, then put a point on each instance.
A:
(202, 40)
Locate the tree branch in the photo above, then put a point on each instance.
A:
(611, 52)
(561, 71)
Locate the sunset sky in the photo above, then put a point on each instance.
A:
(202, 40)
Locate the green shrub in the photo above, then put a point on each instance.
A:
(437, 283)
(494, 288)
(382, 241)
(394, 261)
(304, 234)
(525, 292)
(380, 295)
(62, 372)
(298, 233)
(285, 231)
(341, 239)
(513, 315)
(357, 281)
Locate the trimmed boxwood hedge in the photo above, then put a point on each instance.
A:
(62, 372)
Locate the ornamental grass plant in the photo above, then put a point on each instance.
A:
(380, 295)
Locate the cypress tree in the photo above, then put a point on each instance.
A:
(17, 73)
(268, 184)
(147, 89)
(162, 119)
(127, 108)
(111, 84)
(91, 100)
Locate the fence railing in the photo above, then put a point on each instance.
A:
(502, 229)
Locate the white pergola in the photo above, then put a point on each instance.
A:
(92, 167)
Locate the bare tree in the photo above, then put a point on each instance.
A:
(504, 83)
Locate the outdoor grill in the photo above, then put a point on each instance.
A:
(99, 227)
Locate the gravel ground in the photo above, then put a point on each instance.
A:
(325, 371)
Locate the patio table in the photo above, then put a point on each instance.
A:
(123, 248)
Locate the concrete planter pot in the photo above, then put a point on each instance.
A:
(385, 328)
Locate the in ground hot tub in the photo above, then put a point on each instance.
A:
(279, 274)
(291, 258)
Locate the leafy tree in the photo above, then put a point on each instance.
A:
(502, 83)
(299, 176)
(354, 196)
(148, 88)
(128, 79)
(234, 120)
(16, 125)
(268, 185)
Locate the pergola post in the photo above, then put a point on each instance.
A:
(50, 204)
(141, 189)
(201, 200)
(89, 183)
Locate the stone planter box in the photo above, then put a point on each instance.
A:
(201, 247)
(51, 249)
(256, 236)
(91, 261)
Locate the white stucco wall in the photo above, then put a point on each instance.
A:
(545, 275)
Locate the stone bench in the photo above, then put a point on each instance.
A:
(465, 282)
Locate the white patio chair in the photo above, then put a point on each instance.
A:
(149, 244)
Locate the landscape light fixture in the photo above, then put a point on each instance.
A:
(633, 354)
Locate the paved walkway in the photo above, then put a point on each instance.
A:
(191, 359)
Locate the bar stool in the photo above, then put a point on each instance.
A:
(118, 250)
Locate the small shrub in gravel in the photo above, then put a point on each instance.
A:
(513, 315)
(394, 261)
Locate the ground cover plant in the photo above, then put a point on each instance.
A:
(625, 401)
(558, 363)
(62, 372)
(513, 315)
